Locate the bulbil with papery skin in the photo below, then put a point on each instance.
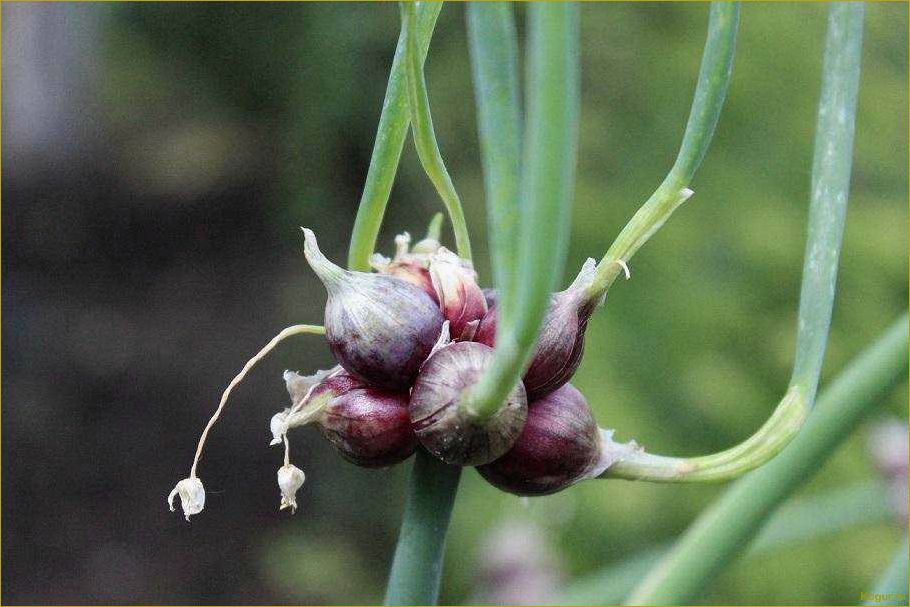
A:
(368, 426)
(559, 445)
(378, 327)
(441, 424)
(450, 280)
(561, 343)
(410, 263)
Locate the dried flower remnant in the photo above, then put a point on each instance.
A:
(410, 264)
(290, 479)
(190, 489)
(192, 496)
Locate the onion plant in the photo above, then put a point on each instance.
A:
(431, 365)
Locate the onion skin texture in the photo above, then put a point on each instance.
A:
(559, 446)
(460, 298)
(561, 342)
(441, 425)
(414, 273)
(368, 426)
(378, 327)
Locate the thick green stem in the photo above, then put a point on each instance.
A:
(827, 211)
(713, 80)
(548, 174)
(493, 43)
(417, 565)
(801, 520)
(722, 531)
(892, 587)
(390, 137)
(424, 134)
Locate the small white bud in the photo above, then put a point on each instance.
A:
(379, 262)
(290, 479)
(279, 426)
(192, 496)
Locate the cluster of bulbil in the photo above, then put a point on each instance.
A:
(409, 340)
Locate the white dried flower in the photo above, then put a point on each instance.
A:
(192, 496)
(290, 479)
(279, 426)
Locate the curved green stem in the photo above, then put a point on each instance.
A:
(828, 206)
(417, 565)
(722, 531)
(390, 137)
(493, 43)
(424, 135)
(546, 192)
(713, 80)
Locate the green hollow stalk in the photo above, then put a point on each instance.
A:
(827, 210)
(493, 45)
(390, 138)
(801, 520)
(424, 134)
(892, 587)
(722, 532)
(547, 181)
(710, 92)
(417, 564)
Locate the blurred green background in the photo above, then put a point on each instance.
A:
(158, 159)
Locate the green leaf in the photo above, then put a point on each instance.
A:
(493, 43)
(548, 175)
(390, 137)
(892, 587)
(424, 135)
(799, 521)
(710, 92)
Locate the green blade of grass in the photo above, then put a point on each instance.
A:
(710, 92)
(828, 205)
(424, 135)
(493, 44)
(724, 530)
(548, 173)
(390, 137)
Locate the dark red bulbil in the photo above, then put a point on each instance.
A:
(559, 445)
(369, 426)
(560, 346)
(378, 327)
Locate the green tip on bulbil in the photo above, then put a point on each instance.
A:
(329, 273)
